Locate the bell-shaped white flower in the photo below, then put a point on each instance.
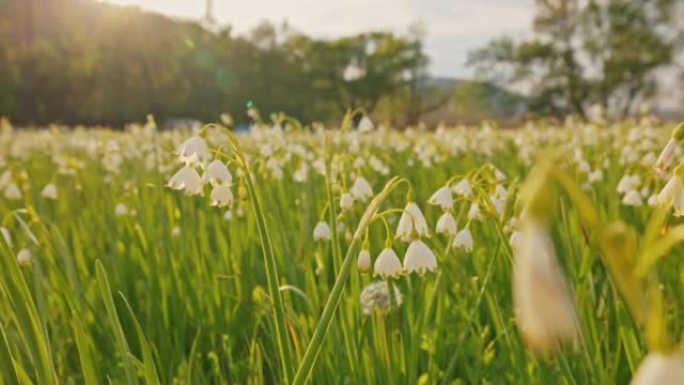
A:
(120, 210)
(672, 194)
(221, 196)
(186, 179)
(49, 191)
(363, 262)
(361, 189)
(217, 173)
(628, 183)
(463, 240)
(192, 150)
(322, 231)
(387, 264)
(660, 369)
(446, 224)
(419, 258)
(346, 201)
(474, 211)
(463, 188)
(365, 124)
(632, 198)
(12, 192)
(411, 219)
(442, 198)
(666, 156)
(544, 309)
(24, 257)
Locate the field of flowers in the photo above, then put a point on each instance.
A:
(360, 255)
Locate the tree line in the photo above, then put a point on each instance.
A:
(80, 61)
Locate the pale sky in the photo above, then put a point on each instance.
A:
(453, 26)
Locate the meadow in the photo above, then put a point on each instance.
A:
(544, 254)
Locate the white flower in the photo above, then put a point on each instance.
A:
(499, 175)
(13, 192)
(322, 231)
(346, 201)
(660, 369)
(6, 235)
(221, 196)
(595, 176)
(192, 150)
(419, 258)
(627, 183)
(363, 262)
(186, 179)
(666, 156)
(463, 240)
(24, 256)
(228, 215)
(672, 194)
(463, 188)
(361, 189)
(446, 224)
(474, 211)
(217, 173)
(632, 198)
(442, 198)
(120, 210)
(411, 219)
(387, 264)
(175, 231)
(544, 309)
(365, 124)
(49, 191)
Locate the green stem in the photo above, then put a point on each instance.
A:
(323, 325)
(284, 346)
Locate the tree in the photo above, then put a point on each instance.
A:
(584, 53)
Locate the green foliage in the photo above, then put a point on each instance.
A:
(586, 53)
(80, 61)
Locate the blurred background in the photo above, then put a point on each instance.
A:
(404, 61)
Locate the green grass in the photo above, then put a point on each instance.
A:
(122, 300)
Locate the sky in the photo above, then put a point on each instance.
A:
(453, 27)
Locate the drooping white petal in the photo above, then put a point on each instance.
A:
(442, 198)
(463, 240)
(419, 258)
(221, 196)
(186, 179)
(446, 224)
(387, 264)
(322, 231)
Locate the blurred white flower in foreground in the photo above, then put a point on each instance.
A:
(544, 309)
(660, 369)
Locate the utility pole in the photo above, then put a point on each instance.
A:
(209, 21)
